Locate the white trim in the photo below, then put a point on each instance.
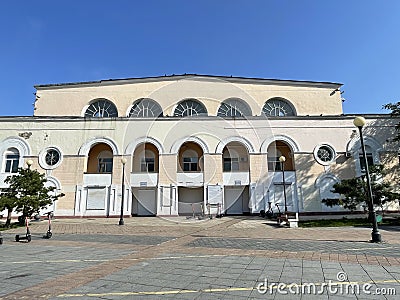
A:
(42, 158)
(85, 148)
(321, 162)
(54, 181)
(177, 144)
(18, 143)
(221, 145)
(129, 150)
(284, 138)
(354, 146)
(321, 177)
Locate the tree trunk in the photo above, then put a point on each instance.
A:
(8, 222)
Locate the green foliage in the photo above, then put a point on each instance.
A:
(26, 193)
(354, 191)
(395, 108)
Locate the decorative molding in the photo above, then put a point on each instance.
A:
(284, 138)
(85, 148)
(221, 145)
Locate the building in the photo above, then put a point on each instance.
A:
(191, 140)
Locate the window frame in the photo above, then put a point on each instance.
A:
(91, 111)
(273, 104)
(11, 163)
(181, 111)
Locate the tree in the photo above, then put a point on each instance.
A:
(395, 108)
(7, 202)
(27, 193)
(354, 191)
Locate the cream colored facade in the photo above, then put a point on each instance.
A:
(216, 142)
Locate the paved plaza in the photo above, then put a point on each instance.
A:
(179, 258)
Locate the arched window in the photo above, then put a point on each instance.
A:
(276, 150)
(277, 107)
(101, 108)
(105, 162)
(370, 158)
(189, 108)
(11, 160)
(147, 161)
(190, 160)
(145, 108)
(234, 108)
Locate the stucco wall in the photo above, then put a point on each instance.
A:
(72, 100)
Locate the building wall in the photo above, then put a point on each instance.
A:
(308, 98)
(302, 135)
(58, 124)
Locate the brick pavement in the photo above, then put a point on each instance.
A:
(187, 259)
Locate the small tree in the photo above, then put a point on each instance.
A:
(354, 191)
(26, 193)
(395, 112)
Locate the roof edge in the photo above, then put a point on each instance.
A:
(235, 79)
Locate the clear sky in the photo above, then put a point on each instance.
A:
(356, 43)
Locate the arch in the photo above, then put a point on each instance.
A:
(354, 145)
(278, 107)
(189, 108)
(53, 180)
(100, 108)
(324, 176)
(177, 144)
(284, 138)
(17, 143)
(145, 108)
(234, 107)
(85, 148)
(142, 140)
(221, 145)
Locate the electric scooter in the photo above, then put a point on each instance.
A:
(27, 236)
(1, 239)
(49, 234)
(269, 213)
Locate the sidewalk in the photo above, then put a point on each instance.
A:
(179, 258)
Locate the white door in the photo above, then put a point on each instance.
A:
(147, 204)
(234, 201)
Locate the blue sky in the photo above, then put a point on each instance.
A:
(354, 42)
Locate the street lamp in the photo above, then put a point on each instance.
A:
(121, 217)
(359, 122)
(282, 159)
(29, 163)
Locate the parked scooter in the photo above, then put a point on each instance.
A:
(1, 239)
(49, 234)
(27, 236)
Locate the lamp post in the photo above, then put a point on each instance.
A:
(121, 217)
(359, 122)
(282, 159)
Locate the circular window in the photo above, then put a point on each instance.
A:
(50, 158)
(324, 154)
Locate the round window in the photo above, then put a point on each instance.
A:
(50, 158)
(324, 154)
